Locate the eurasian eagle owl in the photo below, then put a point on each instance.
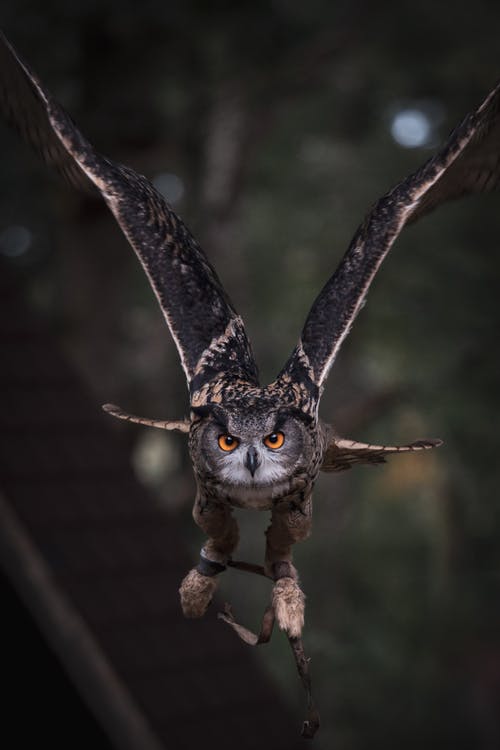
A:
(251, 446)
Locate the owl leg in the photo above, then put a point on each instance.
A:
(289, 525)
(197, 588)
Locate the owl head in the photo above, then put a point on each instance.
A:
(253, 443)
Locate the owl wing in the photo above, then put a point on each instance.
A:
(26, 110)
(341, 454)
(469, 162)
(177, 425)
(209, 335)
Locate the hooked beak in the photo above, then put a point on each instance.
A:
(252, 461)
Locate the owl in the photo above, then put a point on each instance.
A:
(252, 446)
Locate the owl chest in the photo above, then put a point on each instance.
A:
(254, 497)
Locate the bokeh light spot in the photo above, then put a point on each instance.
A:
(170, 186)
(411, 128)
(15, 241)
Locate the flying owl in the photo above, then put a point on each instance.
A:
(252, 446)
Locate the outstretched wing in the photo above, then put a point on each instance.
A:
(208, 333)
(469, 162)
(341, 454)
(178, 425)
(26, 110)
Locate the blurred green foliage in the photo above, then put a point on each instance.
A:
(275, 117)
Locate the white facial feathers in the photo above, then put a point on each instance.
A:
(271, 465)
(252, 451)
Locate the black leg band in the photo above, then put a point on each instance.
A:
(209, 568)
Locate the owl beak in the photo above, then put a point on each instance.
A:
(252, 461)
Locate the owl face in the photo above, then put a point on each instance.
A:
(254, 448)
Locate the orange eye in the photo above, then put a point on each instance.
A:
(275, 440)
(228, 442)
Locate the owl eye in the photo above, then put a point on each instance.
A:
(275, 440)
(228, 442)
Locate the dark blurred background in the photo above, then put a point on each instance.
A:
(272, 127)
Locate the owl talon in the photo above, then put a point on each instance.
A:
(288, 602)
(196, 592)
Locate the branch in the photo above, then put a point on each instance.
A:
(312, 721)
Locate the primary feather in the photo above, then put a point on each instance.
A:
(209, 335)
(469, 162)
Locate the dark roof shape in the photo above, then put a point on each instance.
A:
(98, 565)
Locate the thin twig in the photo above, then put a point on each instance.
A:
(249, 568)
(266, 628)
(312, 722)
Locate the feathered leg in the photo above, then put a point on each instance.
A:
(197, 588)
(289, 524)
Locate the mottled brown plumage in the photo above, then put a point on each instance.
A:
(251, 446)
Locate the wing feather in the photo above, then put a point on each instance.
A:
(341, 454)
(179, 425)
(209, 335)
(26, 111)
(469, 162)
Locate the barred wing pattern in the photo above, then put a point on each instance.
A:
(341, 454)
(26, 110)
(469, 162)
(208, 333)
